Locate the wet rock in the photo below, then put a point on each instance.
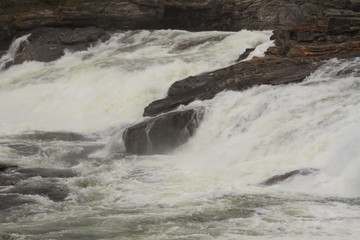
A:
(4, 167)
(237, 77)
(12, 200)
(34, 181)
(114, 14)
(72, 22)
(48, 44)
(55, 136)
(47, 173)
(245, 54)
(283, 177)
(24, 149)
(50, 188)
(12, 174)
(337, 36)
(163, 133)
(8, 174)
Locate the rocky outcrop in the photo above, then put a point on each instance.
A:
(338, 37)
(196, 15)
(287, 176)
(163, 133)
(237, 77)
(48, 44)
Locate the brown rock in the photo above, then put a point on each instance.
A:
(240, 76)
(48, 44)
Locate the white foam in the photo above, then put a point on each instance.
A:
(13, 50)
(111, 83)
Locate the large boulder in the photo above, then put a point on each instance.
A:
(163, 133)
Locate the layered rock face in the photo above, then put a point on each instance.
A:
(196, 15)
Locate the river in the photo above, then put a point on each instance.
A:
(70, 114)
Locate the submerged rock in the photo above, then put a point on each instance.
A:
(24, 149)
(54, 136)
(163, 133)
(35, 181)
(47, 172)
(12, 200)
(283, 177)
(50, 188)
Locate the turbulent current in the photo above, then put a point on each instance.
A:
(69, 115)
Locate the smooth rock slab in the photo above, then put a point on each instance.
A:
(237, 77)
(163, 133)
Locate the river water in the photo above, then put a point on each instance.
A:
(72, 112)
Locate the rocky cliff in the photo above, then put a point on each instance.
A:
(19, 16)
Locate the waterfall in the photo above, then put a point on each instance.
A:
(62, 121)
(9, 56)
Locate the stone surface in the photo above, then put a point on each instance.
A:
(245, 54)
(237, 77)
(48, 44)
(23, 149)
(286, 176)
(163, 133)
(195, 15)
(50, 188)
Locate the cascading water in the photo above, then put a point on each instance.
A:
(208, 188)
(13, 50)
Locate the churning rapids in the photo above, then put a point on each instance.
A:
(69, 114)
